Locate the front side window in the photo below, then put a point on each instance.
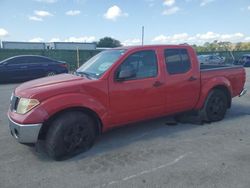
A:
(17, 61)
(177, 61)
(143, 64)
(100, 63)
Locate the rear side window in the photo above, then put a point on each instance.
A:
(37, 60)
(177, 61)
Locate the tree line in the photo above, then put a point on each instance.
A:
(222, 46)
(215, 46)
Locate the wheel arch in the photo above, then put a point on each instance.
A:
(219, 83)
(88, 111)
(225, 90)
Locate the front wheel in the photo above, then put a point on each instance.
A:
(215, 106)
(70, 133)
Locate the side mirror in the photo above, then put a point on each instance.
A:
(125, 74)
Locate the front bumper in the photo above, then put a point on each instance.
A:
(24, 133)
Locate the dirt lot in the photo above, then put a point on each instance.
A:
(149, 154)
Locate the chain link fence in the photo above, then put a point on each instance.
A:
(70, 56)
(230, 56)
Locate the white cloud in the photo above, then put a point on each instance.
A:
(205, 2)
(199, 38)
(161, 38)
(234, 36)
(35, 18)
(169, 2)
(37, 39)
(151, 3)
(42, 13)
(247, 39)
(131, 42)
(171, 10)
(176, 38)
(113, 13)
(47, 1)
(181, 36)
(3, 32)
(55, 40)
(208, 36)
(39, 15)
(248, 8)
(81, 39)
(73, 12)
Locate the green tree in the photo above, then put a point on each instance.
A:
(108, 42)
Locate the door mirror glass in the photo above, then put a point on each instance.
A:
(126, 73)
(138, 65)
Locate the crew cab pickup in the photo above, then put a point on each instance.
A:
(117, 87)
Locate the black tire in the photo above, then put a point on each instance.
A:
(69, 134)
(215, 106)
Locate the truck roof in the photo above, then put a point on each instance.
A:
(153, 46)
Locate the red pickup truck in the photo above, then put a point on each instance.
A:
(117, 87)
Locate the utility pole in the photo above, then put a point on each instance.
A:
(142, 36)
(77, 58)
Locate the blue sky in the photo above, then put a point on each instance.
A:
(165, 21)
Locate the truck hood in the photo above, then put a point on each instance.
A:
(50, 86)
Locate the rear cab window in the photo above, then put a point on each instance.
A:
(177, 61)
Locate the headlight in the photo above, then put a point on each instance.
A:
(25, 105)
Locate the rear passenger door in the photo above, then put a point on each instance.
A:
(182, 80)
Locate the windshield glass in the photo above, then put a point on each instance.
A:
(100, 63)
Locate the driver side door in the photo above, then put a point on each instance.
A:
(140, 96)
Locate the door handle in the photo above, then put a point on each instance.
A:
(157, 84)
(192, 78)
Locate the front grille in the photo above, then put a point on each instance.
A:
(13, 103)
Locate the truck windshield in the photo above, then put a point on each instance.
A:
(100, 63)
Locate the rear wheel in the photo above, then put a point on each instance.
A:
(215, 106)
(69, 134)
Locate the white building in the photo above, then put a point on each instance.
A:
(73, 46)
(23, 45)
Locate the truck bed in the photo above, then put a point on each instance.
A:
(234, 74)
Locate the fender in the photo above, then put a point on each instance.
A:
(208, 86)
(61, 102)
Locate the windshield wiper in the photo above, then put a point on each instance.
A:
(87, 74)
